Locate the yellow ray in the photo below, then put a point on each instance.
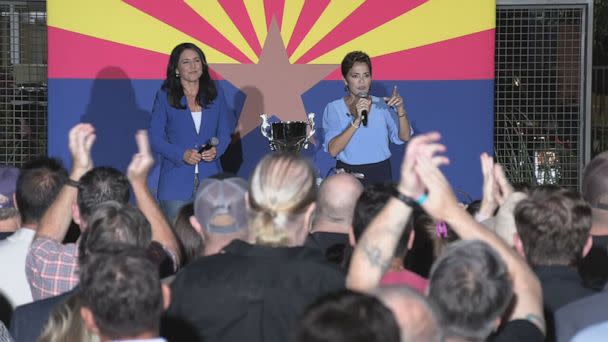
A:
(116, 21)
(434, 21)
(291, 13)
(215, 14)
(335, 12)
(255, 9)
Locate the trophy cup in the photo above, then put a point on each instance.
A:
(288, 136)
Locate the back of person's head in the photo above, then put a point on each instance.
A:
(369, 204)
(347, 316)
(282, 192)
(220, 212)
(470, 288)
(65, 323)
(99, 185)
(189, 240)
(553, 225)
(336, 199)
(113, 224)
(595, 182)
(414, 314)
(38, 185)
(121, 293)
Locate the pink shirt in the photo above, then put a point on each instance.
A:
(405, 277)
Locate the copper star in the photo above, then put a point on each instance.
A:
(273, 86)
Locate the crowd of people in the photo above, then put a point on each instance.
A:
(91, 254)
(278, 258)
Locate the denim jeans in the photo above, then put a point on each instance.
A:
(171, 208)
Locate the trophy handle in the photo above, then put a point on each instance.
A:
(265, 126)
(311, 123)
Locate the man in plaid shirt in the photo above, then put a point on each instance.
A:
(52, 267)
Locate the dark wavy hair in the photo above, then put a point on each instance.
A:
(207, 92)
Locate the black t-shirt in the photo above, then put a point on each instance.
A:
(247, 293)
(592, 268)
(518, 330)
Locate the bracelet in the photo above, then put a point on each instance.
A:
(73, 183)
(420, 200)
(410, 202)
(352, 123)
(402, 116)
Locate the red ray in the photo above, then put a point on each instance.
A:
(274, 8)
(462, 58)
(310, 14)
(185, 19)
(74, 55)
(368, 16)
(237, 12)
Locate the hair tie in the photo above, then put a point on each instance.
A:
(441, 229)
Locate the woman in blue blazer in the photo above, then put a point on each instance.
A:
(190, 127)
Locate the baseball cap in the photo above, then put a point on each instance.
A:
(220, 205)
(8, 184)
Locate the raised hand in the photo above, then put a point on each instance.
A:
(441, 201)
(81, 139)
(489, 202)
(395, 101)
(504, 187)
(423, 145)
(142, 161)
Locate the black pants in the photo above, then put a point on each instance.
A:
(372, 173)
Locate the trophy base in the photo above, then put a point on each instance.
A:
(289, 146)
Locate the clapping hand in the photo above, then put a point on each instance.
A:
(421, 146)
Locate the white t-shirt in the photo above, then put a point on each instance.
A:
(197, 117)
(13, 251)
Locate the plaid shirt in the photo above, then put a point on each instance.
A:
(51, 267)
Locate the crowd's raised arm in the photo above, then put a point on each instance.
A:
(270, 259)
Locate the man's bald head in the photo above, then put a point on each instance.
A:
(414, 314)
(336, 199)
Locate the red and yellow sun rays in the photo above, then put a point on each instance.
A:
(409, 39)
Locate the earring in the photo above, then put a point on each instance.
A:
(177, 74)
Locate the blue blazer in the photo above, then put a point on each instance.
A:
(172, 132)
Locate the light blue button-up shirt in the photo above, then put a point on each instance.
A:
(369, 144)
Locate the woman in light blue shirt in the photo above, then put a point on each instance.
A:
(359, 127)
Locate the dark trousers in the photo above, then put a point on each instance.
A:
(372, 173)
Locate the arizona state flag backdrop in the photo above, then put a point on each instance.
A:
(281, 57)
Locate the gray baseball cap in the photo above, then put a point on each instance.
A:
(220, 205)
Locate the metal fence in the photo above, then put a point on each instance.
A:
(599, 110)
(539, 93)
(23, 81)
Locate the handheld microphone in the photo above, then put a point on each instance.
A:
(364, 112)
(212, 142)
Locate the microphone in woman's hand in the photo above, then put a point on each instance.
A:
(363, 95)
(212, 142)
